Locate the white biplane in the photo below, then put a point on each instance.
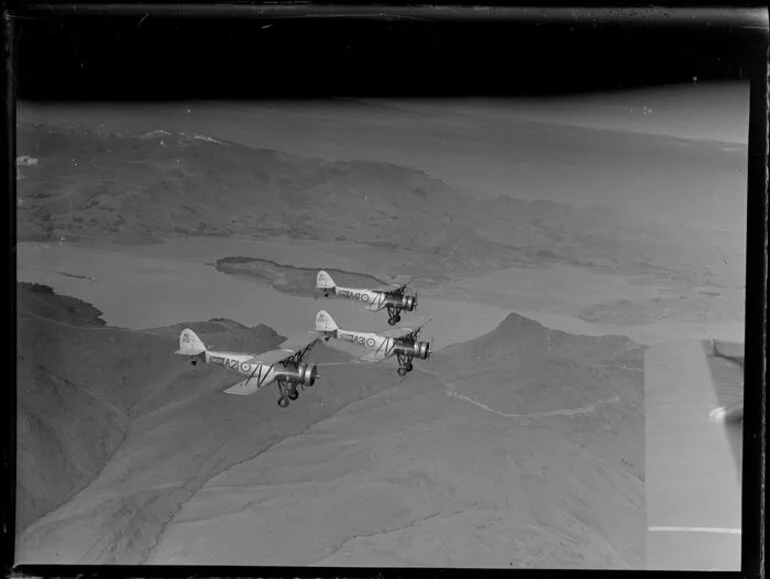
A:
(390, 297)
(399, 342)
(283, 366)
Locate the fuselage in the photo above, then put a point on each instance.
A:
(370, 298)
(380, 347)
(262, 374)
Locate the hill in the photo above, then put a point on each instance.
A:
(138, 188)
(111, 421)
(588, 395)
(290, 279)
(81, 383)
(127, 454)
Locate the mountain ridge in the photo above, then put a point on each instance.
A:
(140, 188)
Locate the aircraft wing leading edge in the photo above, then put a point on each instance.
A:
(299, 342)
(243, 388)
(403, 332)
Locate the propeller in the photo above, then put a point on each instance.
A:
(430, 340)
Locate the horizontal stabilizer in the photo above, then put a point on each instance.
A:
(243, 388)
(190, 352)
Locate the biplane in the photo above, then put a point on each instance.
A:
(401, 343)
(283, 366)
(392, 298)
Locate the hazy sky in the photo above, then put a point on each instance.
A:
(717, 112)
(611, 149)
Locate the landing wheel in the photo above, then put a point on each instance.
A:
(392, 321)
(293, 395)
(194, 362)
(402, 371)
(409, 367)
(283, 402)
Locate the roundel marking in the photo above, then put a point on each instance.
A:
(244, 366)
(365, 297)
(370, 342)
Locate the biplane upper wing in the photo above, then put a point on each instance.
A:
(300, 342)
(394, 288)
(297, 344)
(415, 327)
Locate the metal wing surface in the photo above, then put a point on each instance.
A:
(297, 343)
(243, 388)
(414, 327)
(369, 358)
(392, 288)
(272, 357)
(395, 287)
(300, 342)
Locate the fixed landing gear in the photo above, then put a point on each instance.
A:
(286, 394)
(404, 370)
(404, 365)
(393, 316)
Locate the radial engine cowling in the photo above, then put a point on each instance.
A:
(305, 374)
(408, 303)
(419, 350)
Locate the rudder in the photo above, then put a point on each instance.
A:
(325, 323)
(190, 344)
(324, 281)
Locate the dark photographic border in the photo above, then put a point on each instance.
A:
(742, 30)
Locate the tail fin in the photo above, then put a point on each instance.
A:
(324, 281)
(325, 323)
(190, 344)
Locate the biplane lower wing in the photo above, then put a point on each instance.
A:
(243, 388)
